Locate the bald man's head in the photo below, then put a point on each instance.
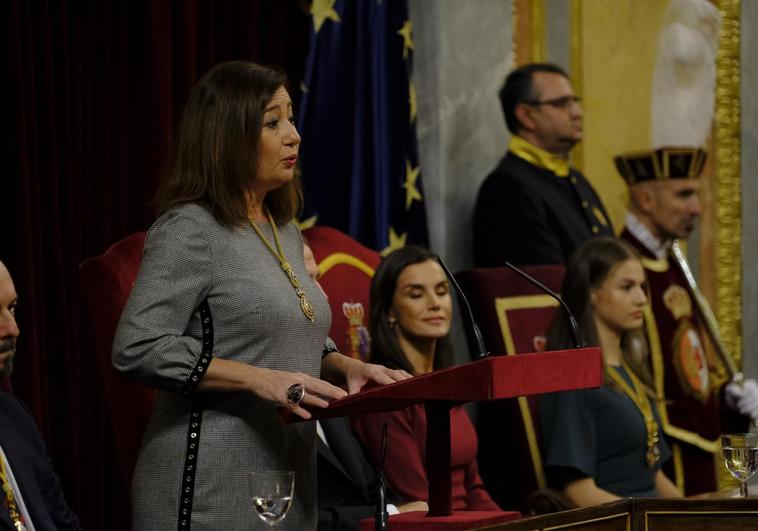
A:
(8, 327)
(668, 208)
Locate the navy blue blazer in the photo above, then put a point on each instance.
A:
(27, 455)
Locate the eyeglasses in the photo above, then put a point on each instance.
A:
(564, 102)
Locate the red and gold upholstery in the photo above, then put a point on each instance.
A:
(514, 317)
(106, 283)
(346, 268)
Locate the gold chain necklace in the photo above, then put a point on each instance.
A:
(10, 499)
(305, 302)
(641, 400)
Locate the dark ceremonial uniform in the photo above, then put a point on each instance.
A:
(688, 382)
(528, 213)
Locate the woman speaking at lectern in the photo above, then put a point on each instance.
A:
(224, 320)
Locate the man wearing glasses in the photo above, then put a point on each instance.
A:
(534, 208)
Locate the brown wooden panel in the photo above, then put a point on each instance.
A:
(701, 522)
(733, 514)
(612, 517)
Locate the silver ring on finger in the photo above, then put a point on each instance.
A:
(295, 394)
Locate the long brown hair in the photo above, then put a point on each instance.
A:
(217, 149)
(587, 268)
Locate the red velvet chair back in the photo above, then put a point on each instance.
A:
(514, 317)
(107, 281)
(346, 269)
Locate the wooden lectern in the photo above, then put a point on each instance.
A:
(491, 378)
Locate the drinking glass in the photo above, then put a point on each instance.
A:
(741, 456)
(272, 494)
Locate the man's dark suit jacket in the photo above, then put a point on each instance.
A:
(348, 485)
(528, 215)
(27, 455)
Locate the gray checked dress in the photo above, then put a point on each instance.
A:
(207, 291)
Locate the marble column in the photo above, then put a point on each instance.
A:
(461, 56)
(749, 163)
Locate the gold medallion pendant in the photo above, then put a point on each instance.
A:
(305, 303)
(653, 455)
(636, 393)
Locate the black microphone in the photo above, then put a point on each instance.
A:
(477, 341)
(381, 516)
(578, 343)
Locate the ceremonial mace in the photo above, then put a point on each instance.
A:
(711, 325)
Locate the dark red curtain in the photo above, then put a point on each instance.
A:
(93, 90)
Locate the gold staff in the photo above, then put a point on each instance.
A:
(709, 320)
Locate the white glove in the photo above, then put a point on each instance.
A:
(743, 397)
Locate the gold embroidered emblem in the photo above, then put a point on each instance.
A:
(678, 301)
(358, 339)
(690, 362)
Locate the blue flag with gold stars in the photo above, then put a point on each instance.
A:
(357, 118)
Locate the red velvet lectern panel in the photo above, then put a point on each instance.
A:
(418, 521)
(514, 317)
(492, 378)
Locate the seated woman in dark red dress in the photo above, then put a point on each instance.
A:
(410, 319)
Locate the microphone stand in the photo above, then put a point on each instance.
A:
(578, 343)
(381, 517)
(476, 343)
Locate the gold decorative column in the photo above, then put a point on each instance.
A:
(721, 250)
(727, 192)
(529, 36)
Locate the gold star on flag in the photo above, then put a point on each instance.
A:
(306, 223)
(406, 32)
(322, 10)
(396, 242)
(411, 191)
(411, 101)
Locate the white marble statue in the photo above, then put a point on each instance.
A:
(685, 74)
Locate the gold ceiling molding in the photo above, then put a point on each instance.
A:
(727, 192)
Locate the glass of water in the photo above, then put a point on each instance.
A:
(741, 456)
(272, 494)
